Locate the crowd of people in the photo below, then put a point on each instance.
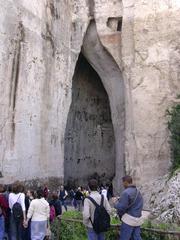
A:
(77, 196)
(27, 214)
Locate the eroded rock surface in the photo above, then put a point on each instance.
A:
(162, 197)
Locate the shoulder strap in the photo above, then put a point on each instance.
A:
(137, 193)
(102, 200)
(93, 201)
(18, 198)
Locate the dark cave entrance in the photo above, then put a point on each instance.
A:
(89, 136)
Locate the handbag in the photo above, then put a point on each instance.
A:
(134, 221)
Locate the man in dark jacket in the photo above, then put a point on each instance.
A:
(129, 207)
(62, 196)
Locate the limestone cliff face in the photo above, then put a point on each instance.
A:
(162, 197)
(36, 71)
(134, 48)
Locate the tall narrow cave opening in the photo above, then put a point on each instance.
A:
(89, 135)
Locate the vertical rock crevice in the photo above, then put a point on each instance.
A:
(15, 76)
(51, 14)
(91, 8)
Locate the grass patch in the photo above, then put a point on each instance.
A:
(63, 230)
(72, 215)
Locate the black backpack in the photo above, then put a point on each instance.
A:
(17, 211)
(101, 221)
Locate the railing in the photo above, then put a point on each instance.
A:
(147, 233)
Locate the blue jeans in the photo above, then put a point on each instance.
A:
(15, 229)
(63, 203)
(2, 227)
(79, 205)
(129, 233)
(94, 236)
(26, 232)
(38, 230)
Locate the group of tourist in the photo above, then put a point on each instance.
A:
(26, 215)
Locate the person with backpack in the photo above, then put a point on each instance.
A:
(18, 211)
(129, 208)
(96, 213)
(56, 203)
(38, 212)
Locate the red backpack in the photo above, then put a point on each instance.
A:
(3, 205)
(52, 213)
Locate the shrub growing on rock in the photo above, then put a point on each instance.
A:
(174, 127)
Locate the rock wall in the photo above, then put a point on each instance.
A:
(152, 70)
(39, 46)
